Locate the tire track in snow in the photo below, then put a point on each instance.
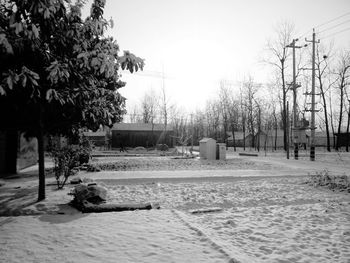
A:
(213, 243)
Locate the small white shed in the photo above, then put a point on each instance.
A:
(207, 149)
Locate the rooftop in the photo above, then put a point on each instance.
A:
(140, 127)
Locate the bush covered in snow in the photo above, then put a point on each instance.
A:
(323, 178)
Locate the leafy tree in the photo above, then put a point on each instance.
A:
(58, 73)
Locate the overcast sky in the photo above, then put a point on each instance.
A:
(196, 43)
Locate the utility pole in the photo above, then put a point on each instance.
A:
(287, 113)
(312, 144)
(294, 87)
(192, 131)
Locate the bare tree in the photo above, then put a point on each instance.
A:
(243, 115)
(249, 101)
(135, 115)
(321, 70)
(179, 121)
(164, 106)
(229, 108)
(343, 73)
(278, 54)
(198, 126)
(213, 118)
(224, 107)
(331, 110)
(273, 108)
(149, 104)
(348, 121)
(165, 109)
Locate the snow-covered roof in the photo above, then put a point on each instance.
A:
(238, 135)
(95, 134)
(207, 140)
(319, 134)
(140, 127)
(272, 132)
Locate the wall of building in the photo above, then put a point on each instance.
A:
(141, 138)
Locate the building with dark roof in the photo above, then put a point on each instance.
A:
(141, 134)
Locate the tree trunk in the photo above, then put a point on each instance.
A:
(341, 105)
(347, 130)
(326, 120)
(233, 137)
(276, 127)
(40, 137)
(284, 115)
(331, 119)
(259, 129)
(323, 95)
(243, 122)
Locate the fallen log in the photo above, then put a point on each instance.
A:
(248, 154)
(87, 207)
(206, 210)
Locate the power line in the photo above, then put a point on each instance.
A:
(332, 20)
(307, 32)
(336, 33)
(325, 23)
(329, 28)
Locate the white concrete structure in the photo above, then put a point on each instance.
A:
(207, 149)
(221, 151)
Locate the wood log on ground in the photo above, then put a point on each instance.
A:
(88, 207)
(206, 210)
(248, 154)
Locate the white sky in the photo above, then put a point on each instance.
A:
(200, 42)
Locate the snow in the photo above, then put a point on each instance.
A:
(266, 215)
(140, 236)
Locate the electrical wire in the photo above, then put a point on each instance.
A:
(332, 20)
(325, 23)
(336, 33)
(329, 28)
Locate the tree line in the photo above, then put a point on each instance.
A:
(249, 107)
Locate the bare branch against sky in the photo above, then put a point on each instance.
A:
(199, 42)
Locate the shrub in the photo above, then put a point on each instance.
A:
(68, 158)
(323, 178)
(162, 147)
(92, 168)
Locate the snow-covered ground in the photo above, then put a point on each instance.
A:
(264, 217)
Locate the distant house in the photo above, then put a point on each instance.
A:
(239, 139)
(98, 139)
(270, 138)
(320, 138)
(141, 134)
